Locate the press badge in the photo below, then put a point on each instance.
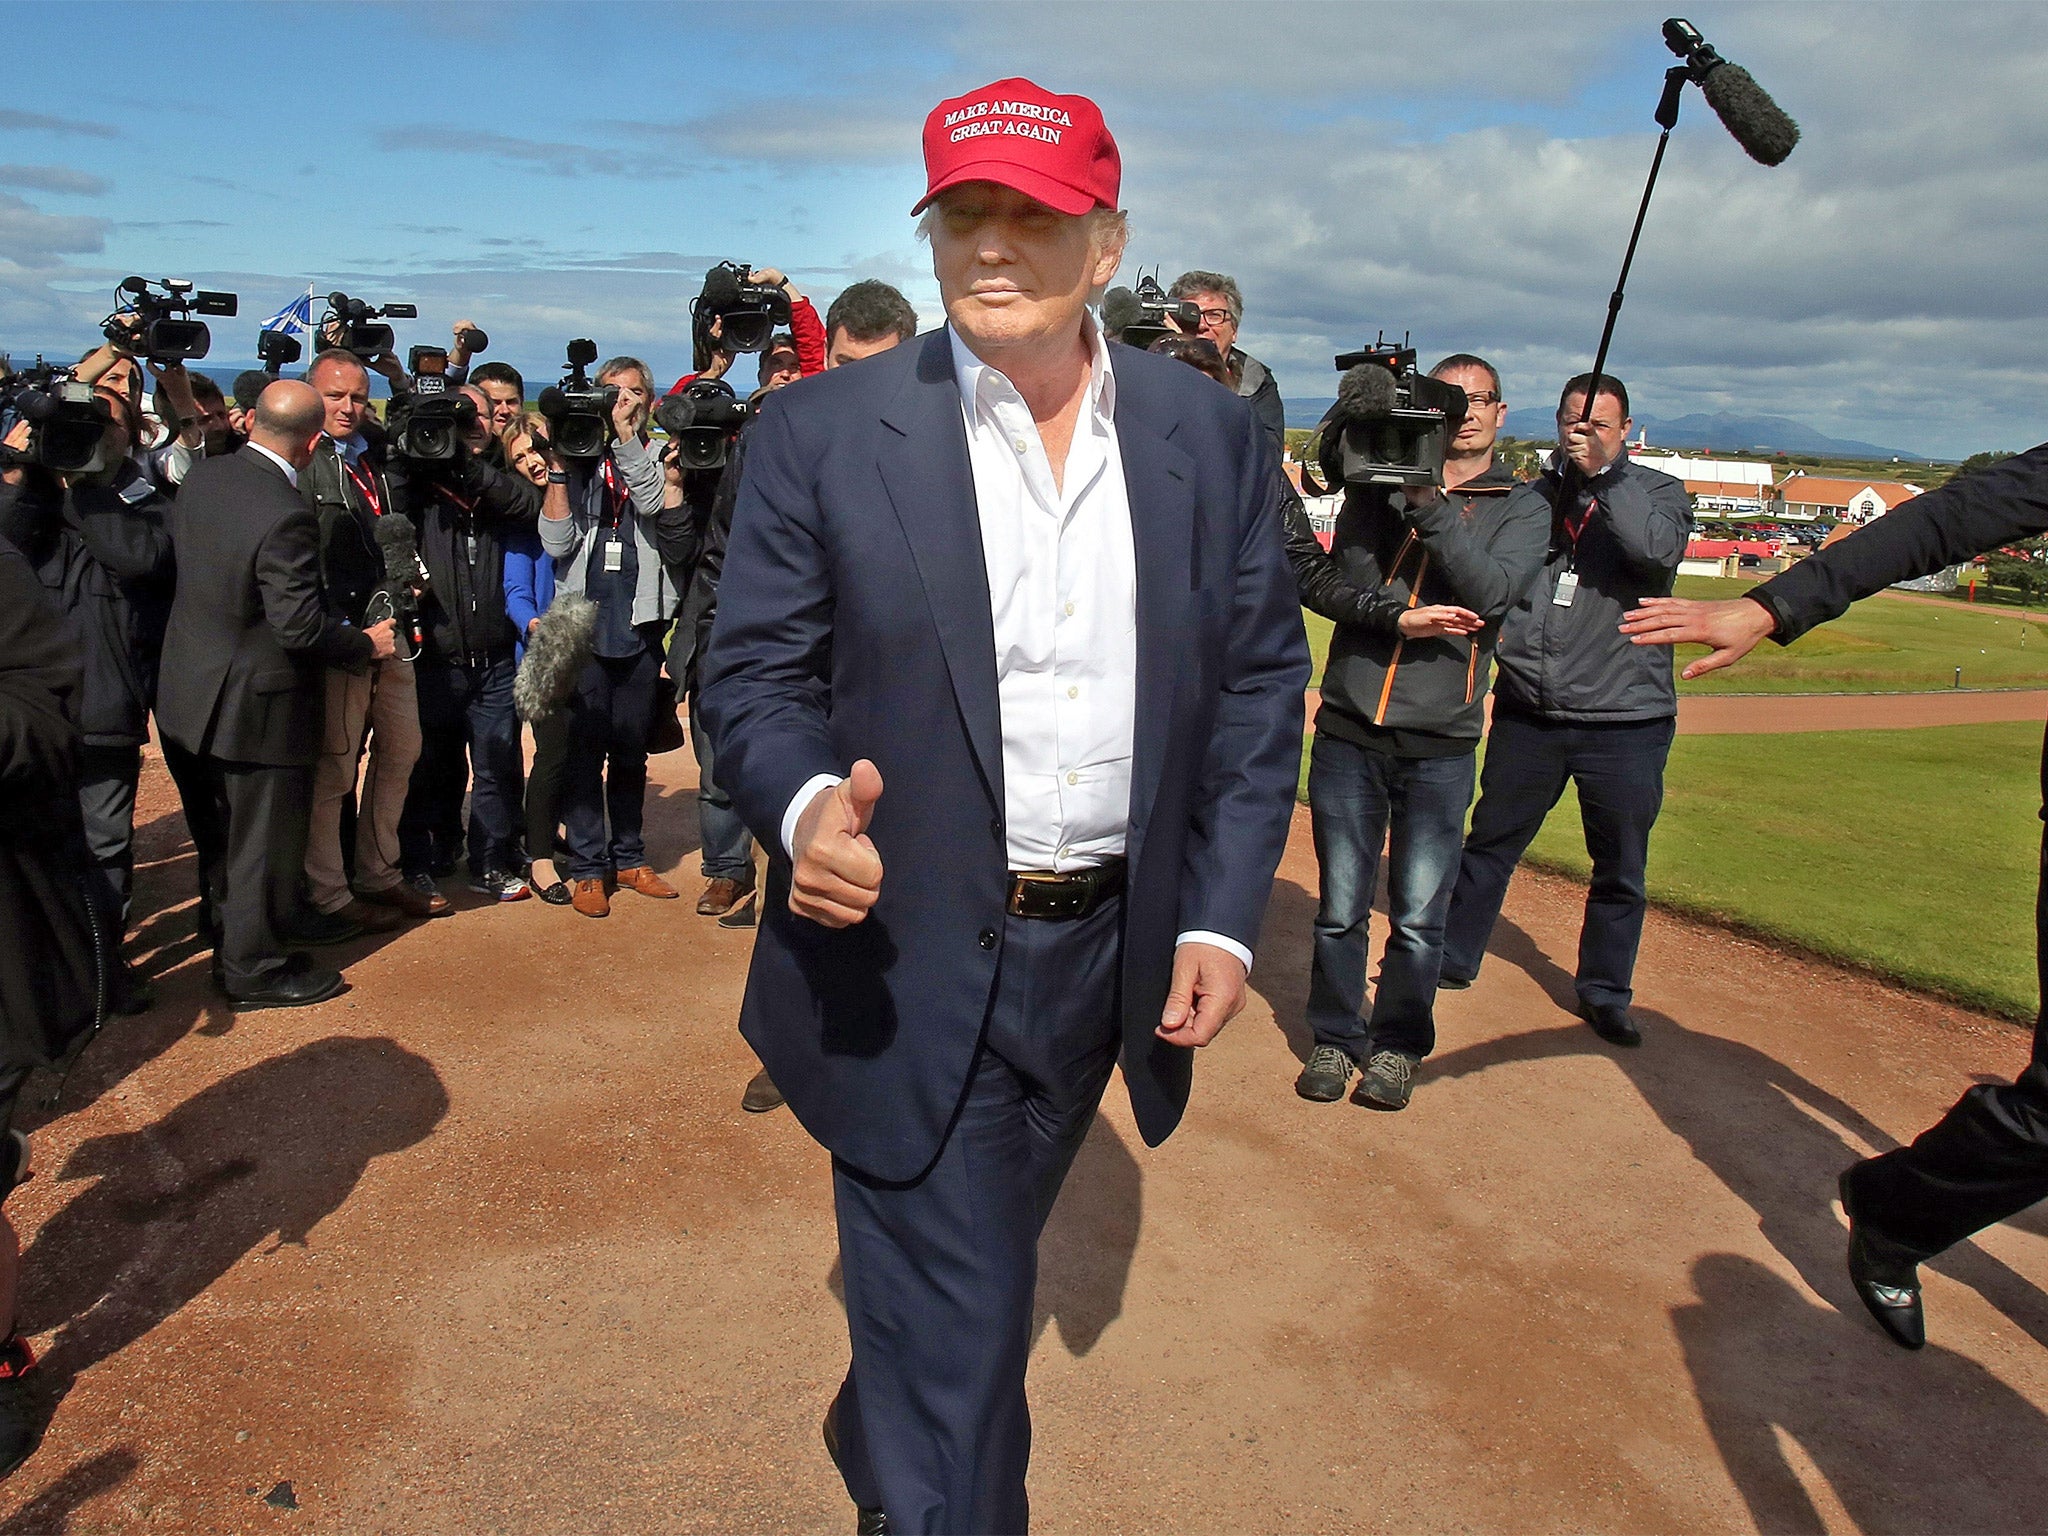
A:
(1567, 588)
(614, 555)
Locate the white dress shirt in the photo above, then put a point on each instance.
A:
(281, 462)
(1063, 598)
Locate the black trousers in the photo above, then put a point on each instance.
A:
(107, 777)
(544, 785)
(1983, 1161)
(941, 1272)
(248, 825)
(469, 739)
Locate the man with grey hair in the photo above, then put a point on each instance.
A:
(1035, 584)
(1222, 307)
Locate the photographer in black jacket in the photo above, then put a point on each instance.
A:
(100, 547)
(464, 509)
(1987, 1158)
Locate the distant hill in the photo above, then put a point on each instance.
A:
(1724, 432)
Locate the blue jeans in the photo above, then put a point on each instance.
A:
(726, 845)
(1354, 793)
(1619, 771)
(604, 781)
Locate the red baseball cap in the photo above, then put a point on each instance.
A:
(1022, 136)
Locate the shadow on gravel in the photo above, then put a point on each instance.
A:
(1924, 1442)
(1286, 942)
(1776, 1140)
(269, 1151)
(49, 1512)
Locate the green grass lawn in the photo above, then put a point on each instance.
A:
(1882, 645)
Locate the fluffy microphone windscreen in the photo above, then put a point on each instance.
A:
(1365, 393)
(1765, 133)
(721, 288)
(1119, 309)
(399, 542)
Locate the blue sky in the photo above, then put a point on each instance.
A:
(1465, 171)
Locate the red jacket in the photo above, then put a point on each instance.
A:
(805, 329)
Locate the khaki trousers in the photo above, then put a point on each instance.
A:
(386, 701)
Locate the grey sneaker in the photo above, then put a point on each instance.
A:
(1387, 1081)
(1329, 1069)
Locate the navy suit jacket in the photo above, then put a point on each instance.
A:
(854, 621)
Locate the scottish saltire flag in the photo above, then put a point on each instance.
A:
(296, 318)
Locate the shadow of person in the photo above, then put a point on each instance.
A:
(1931, 1442)
(1286, 945)
(49, 1512)
(1512, 943)
(1772, 1137)
(669, 822)
(1085, 1251)
(272, 1150)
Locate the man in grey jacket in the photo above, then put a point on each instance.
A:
(1577, 702)
(598, 522)
(1403, 707)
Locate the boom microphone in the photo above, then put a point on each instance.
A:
(1365, 393)
(1746, 110)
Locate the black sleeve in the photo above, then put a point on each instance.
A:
(702, 605)
(131, 539)
(500, 496)
(1970, 515)
(679, 530)
(288, 580)
(1320, 578)
(1266, 405)
(38, 676)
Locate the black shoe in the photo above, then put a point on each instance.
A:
(762, 1095)
(128, 993)
(1387, 1081)
(1322, 1080)
(1886, 1275)
(1612, 1023)
(1453, 983)
(22, 1414)
(321, 928)
(500, 885)
(290, 988)
(868, 1520)
(442, 867)
(557, 895)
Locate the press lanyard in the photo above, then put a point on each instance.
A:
(367, 484)
(1568, 578)
(616, 499)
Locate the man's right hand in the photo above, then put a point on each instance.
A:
(837, 876)
(1438, 621)
(383, 640)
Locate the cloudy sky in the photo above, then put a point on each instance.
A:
(1464, 171)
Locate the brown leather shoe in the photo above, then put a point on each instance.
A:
(762, 1095)
(642, 878)
(588, 897)
(370, 919)
(720, 897)
(409, 899)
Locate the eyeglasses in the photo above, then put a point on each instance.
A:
(1481, 397)
(1215, 316)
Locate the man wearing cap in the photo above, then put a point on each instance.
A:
(1007, 674)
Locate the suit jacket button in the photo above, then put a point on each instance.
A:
(987, 939)
(997, 828)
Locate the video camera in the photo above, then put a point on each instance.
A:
(1148, 322)
(748, 312)
(351, 324)
(702, 422)
(66, 419)
(276, 348)
(578, 412)
(1392, 424)
(168, 333)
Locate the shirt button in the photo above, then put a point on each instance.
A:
(1020, 445)
(987, 939)
(1073, 778)
(1070, 610)
(1073, 693)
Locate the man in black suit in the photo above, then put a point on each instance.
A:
(241, 698)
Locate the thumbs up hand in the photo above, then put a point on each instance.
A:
(838, 873)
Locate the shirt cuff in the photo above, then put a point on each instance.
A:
(802, 798)
(1202, 936)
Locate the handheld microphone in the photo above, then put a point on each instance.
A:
(1365, 393)
(404, 577)
(1746, 110)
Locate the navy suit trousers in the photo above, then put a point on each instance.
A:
(941, 1272)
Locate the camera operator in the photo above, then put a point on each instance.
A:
(504, 395)
(598, 525)
(780, 364)
(346, 486)
(465, 508)
(712, 360)
(867, 319)
(249, 386)
(1403, 708)
(1576, 702)
(247, 656)
(1222, 307)
(50, 967)
(1987, 1158)
(98, 541)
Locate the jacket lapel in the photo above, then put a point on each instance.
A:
(1159, 483)
(924, 466)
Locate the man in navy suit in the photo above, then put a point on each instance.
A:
(1035, 586)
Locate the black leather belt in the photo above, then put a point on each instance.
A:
(1041, 894)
